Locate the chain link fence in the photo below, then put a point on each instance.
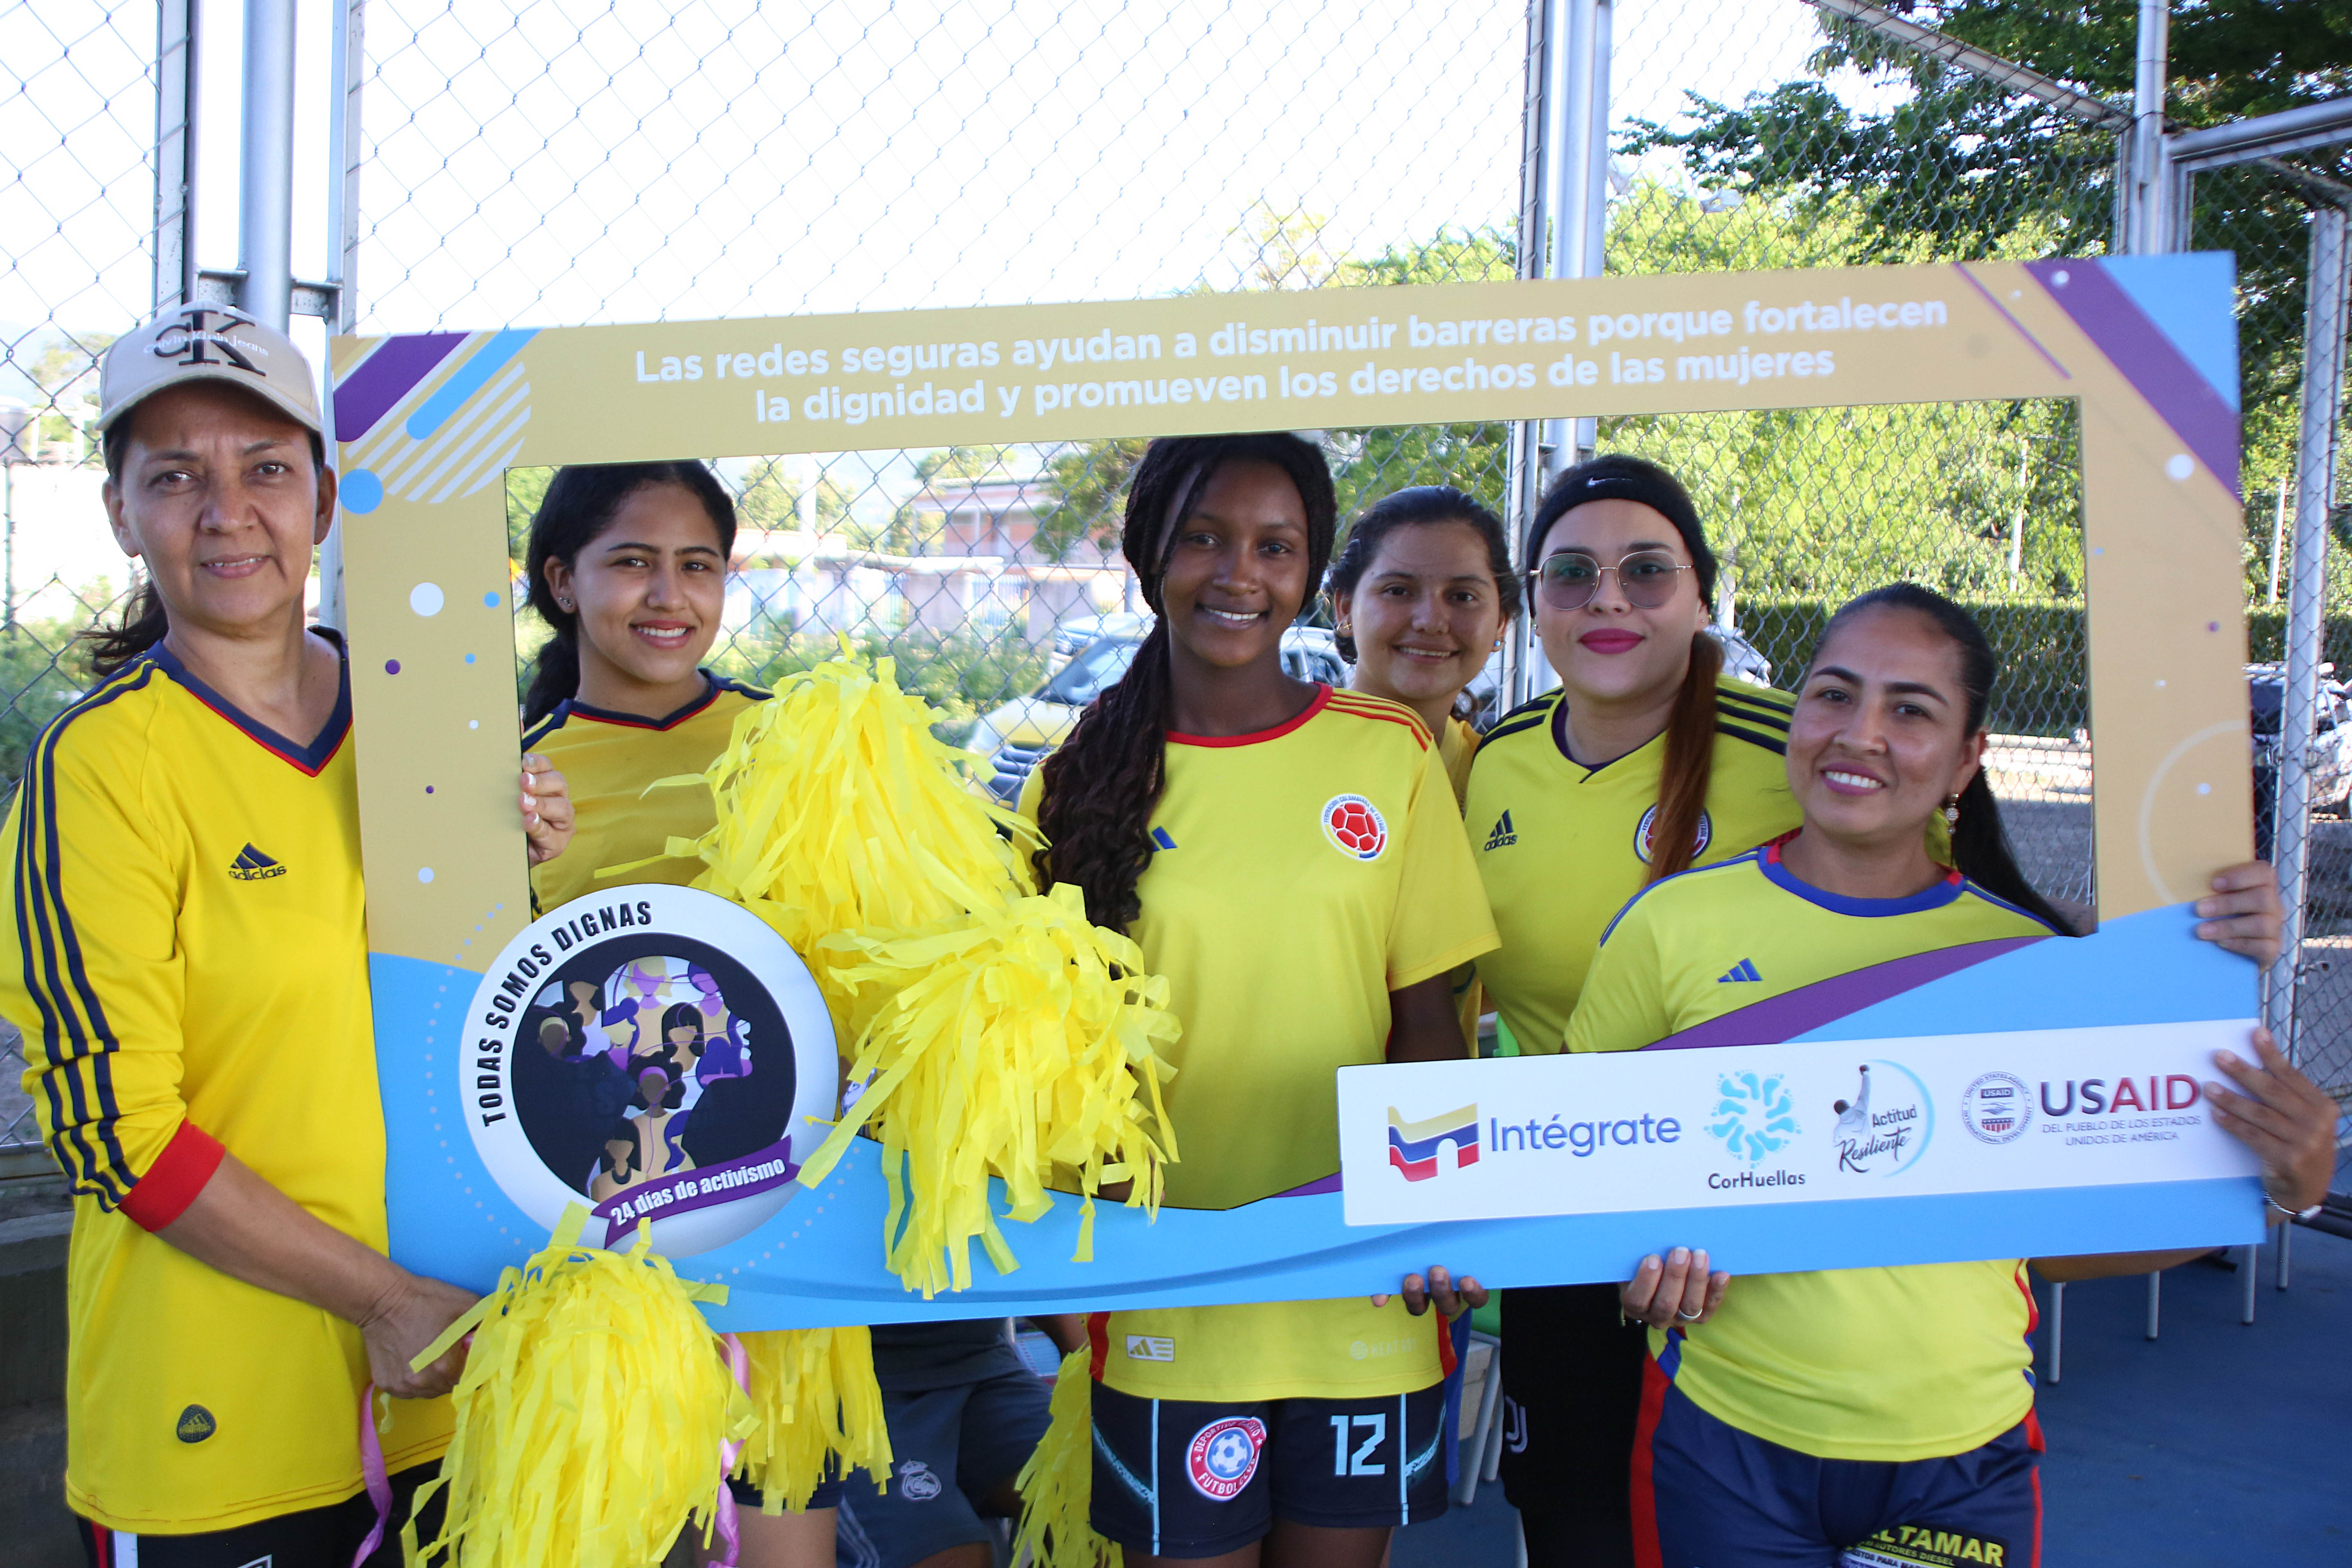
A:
(78, 95)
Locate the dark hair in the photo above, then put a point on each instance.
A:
(1102, 783)
(581, 502)
(1688, 765)
(1980, 850)
(143, 621)
(681, 1015)
(1421, 506)
(1621, 476)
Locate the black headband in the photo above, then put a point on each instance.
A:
(1606, 481)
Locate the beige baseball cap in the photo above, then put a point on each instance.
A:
(207, 343)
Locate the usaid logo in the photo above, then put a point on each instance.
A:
(1996, 1108)
(1416, 1148)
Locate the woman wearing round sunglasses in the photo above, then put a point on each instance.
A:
(1645, 761)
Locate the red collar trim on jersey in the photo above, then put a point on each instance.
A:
(1322, 697)
(312, 759)
(1934, 897)
(572, 708)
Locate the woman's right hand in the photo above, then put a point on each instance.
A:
(1675, 1290)
(407, 1319)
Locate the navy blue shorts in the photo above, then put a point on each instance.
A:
(954, 1452)
(1182, 1479)
(1708, 1494)
(326, 1537)
(827, 1495)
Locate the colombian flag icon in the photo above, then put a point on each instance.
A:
(1413, 1145)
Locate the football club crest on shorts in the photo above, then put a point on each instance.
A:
(1223, 1457)
(1356, 825)
(652, 1051)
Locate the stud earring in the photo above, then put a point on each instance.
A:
(563, 605)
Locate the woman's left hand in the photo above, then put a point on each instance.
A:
(2283, 1118)
(546, 808)
(2243, 913)
(1451, 1297)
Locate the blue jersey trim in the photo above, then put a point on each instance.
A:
(713, 685)
(1738, 859)
(1934, 898)
(311, 758)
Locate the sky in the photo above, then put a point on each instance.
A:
(540, 162)
(559, 162)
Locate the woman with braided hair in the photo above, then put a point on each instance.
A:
(1290, 857)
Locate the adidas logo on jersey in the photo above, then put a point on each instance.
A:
(1150, 1347)
(1505, 835)
(252, 866)
(1743, 969)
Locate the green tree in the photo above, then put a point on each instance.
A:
(965, 463)
(1962, 169)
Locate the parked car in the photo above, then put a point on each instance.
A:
(1017, 737)
(2329, 758)
(1072, 637)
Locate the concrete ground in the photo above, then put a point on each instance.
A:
(2216, 1443)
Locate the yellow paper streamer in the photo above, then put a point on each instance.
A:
(1057, 1484)
(1013, 1040)
(590, 1415)
(814, 1392)
(998, 1032)
(839, 810)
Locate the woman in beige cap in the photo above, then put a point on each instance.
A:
(188, 912)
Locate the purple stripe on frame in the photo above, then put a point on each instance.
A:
(1794, 1014)
(384, 377)
(1329, 1184)
(2137, 346)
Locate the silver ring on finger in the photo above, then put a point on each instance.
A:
(1689, 1317)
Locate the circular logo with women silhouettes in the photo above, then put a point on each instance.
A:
(1356, 825)
(656, 1054)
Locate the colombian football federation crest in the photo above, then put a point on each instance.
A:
(654, 1052)
(1355, 827)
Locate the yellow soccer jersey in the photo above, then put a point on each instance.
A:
(1457, 745)
(1301, 875)
(1858, 1364)
(191, 976)
(608, 759)
(1560, 848)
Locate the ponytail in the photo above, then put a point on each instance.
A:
(115, 648)
(1981, 853)
(1100, 786)
(1689, 764)
(1981, 849)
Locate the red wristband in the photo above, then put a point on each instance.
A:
(173, 1181)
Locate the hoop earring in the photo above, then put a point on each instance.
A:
(1952, 812)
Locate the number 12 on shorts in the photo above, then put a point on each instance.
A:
(1358, 1462)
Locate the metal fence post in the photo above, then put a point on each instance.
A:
(349, 66)
(2149, 231)
(2322, 395)
(266, 165)
(175, 151)
(1535, 188)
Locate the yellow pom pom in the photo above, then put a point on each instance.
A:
(839, 810)
(1011, 1040)
(1057, 1484)
(814, 1392)
(590, 1415)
